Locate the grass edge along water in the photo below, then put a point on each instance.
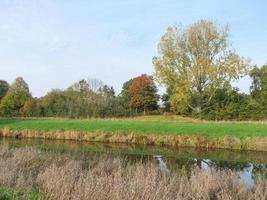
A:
(240, 136)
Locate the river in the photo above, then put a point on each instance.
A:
(247, 163)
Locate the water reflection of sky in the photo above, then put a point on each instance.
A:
(246, 171)
(246, 175)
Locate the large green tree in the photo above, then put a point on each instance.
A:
(13, 103)
(195, 61)
(259, 81)
(3, 88)
(124, 95)
(259, 86)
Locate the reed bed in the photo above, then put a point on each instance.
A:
(57, 176)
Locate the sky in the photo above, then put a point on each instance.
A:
(54, 43)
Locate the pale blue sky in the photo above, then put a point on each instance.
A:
(53, 43)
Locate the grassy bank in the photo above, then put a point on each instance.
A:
(247, 136)
(142, 126)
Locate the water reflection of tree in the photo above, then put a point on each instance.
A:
(224, 165)
(259, 170)
(189, 163)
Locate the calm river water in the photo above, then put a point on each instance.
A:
(247, 163)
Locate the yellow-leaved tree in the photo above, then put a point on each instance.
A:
(193, 62)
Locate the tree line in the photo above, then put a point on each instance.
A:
(196, 65)
(84, 99)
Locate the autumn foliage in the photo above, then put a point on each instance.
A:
(143, 93)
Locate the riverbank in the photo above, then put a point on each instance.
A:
(240, 136)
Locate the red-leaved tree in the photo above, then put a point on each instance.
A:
(143, 93)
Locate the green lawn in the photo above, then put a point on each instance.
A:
(140, 126)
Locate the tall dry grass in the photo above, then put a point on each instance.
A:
(57, 176)
(227, 142)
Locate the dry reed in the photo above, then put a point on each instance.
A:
(60, 177)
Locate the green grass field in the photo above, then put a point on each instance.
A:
(161, 127)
